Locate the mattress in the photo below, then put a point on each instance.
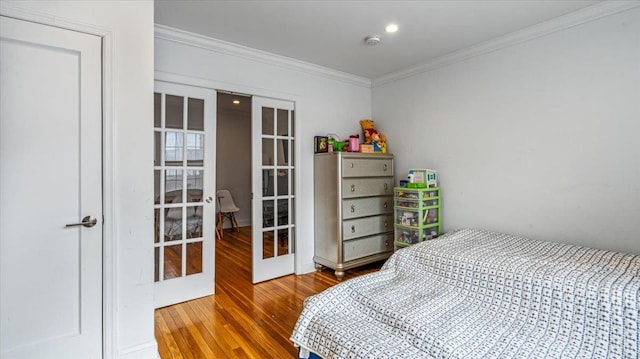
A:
(480, 294)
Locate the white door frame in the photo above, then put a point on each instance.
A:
(266, 93)
(109, 259)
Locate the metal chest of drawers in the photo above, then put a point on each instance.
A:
(353, 209)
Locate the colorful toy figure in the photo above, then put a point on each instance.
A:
(372, 136)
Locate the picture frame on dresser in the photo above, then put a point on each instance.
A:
(320, 144)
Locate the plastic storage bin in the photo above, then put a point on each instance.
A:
(417, 215)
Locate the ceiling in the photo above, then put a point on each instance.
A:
(226, 107)
(331, 33)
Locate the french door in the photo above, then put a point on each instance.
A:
(273, 206)
(50, 192)
(184, 183)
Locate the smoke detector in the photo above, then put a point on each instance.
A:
(372, 40)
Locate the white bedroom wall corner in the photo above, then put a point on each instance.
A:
(545, 127)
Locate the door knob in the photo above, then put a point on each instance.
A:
(88, 221)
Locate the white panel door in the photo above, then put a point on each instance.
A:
(50, 176)
(273, 229)
(184, 165)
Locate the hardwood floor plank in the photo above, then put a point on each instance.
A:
(214, 325)
(177, 333)
(165, 338)
(207, 346)
(241, 320)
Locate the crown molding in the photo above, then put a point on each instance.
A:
(579, 17)
(228, 48)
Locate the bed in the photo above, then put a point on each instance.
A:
(479, 294)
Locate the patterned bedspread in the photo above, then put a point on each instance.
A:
(479, 294)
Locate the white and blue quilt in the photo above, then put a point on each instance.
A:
(479, 294)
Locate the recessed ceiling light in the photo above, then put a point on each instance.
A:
(236, 102)
(391, 28)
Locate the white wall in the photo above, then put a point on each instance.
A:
(323, 104)
(233, 158)
(130, 110)
(539, 139)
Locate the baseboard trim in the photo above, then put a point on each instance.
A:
(143, 351)
(307, 267)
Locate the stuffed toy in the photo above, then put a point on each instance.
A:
(372, 136)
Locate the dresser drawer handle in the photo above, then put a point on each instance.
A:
(386, 205)
(386, 243)
(353, 208)
(386, 224)
(351, 164)
(353, 188)
(353, 229)
(386, 186)
(384, 167)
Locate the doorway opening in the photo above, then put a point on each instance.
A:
(249, 140)
(233, 173)
(233, 156)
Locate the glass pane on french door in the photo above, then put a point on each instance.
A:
(182, 228)
(273, 233)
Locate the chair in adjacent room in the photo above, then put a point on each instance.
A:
(226, 210)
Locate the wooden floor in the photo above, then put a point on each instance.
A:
(241, 320)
